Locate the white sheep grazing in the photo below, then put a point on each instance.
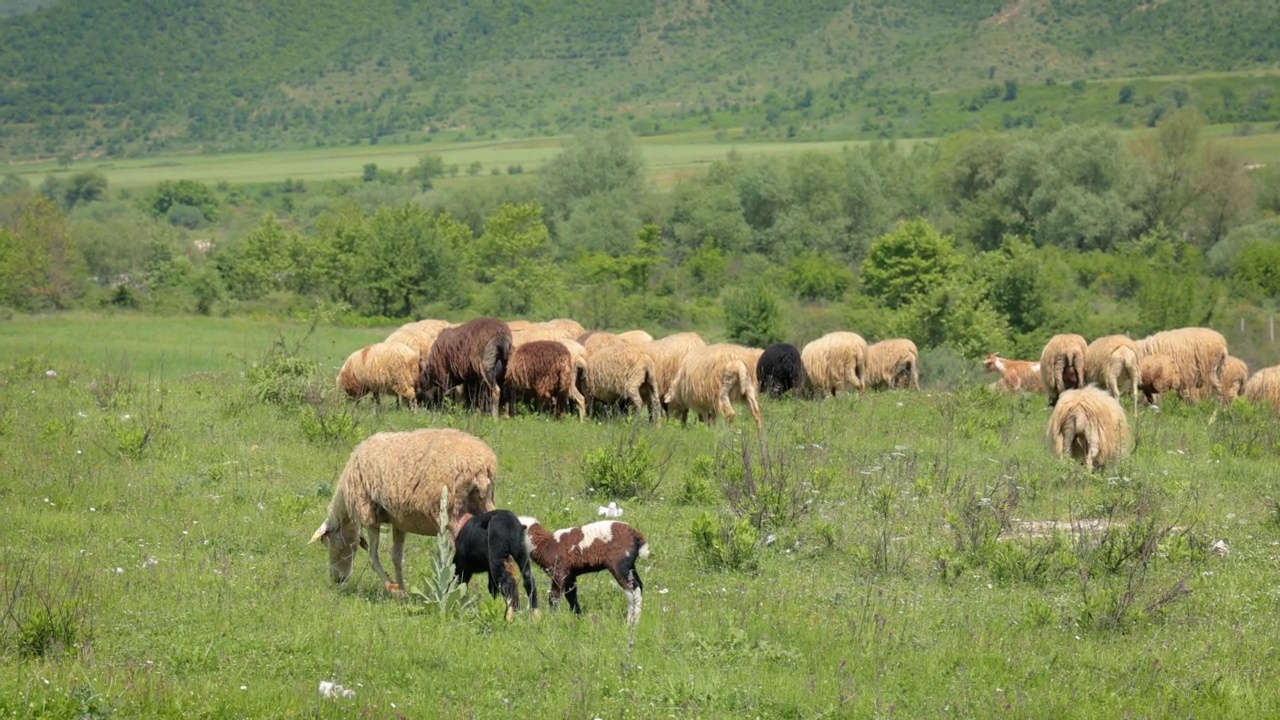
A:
(1235, 375)
(597, 340)
(605, 545)
(638, 337)
(622, 372)
(709, 380)
(834, 362)
(668, 354)
(419, 335)
(893, 363)
(1062, 364)
(398, 478)
(1198, 354)
(1111, 360)
(382, 368)
(1089, 425)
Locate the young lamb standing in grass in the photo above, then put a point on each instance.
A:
(546, 373)
(1235, 374)
(834, 362)
(708, 382)
(1110, 360)
(606, 545)
(893, 363)
(1089, 425)
(1062, 365)
(780, 370)
(1199, 354)
(1015, 375)
(385, 367)
(1264, 387)
(397, 478)
(492, 543)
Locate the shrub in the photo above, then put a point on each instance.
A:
(725, 544)
(753, 316)
(625, 470)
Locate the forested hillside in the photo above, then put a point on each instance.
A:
(82, 77)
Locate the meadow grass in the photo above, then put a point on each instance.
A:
(157, 565)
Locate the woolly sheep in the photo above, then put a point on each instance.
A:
(605, 545)
(1157, 375)
(597, 340)
(385, 367)
(1110, 360)
(834, 362)
(1199, 354)
(545, 372)
(1264, 387)
(638, 337)
(668, 353)
(474, 355)
(1089, 425)
(708, 382)
(622, 372)
(549, 330)
(1015, 375)
(1062, 364)
(497, 544)
(398, 478)
(780, 370)
(1235, 373)
(419, 335)
(892, 364)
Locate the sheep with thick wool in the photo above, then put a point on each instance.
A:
(1264, 387)
(605, 545)
(475, 355)
(1235, 374)
(397, 478)
(1110, 361)
(780, 370)
(562, 329)
(893, 364)
(546, 374)
(834, 362)
(420, 335)
(1015, 375)
(1199, 354)
(597, 340)
(668, 354)
(381, 368)
(623, 372)
(1157, 375)
(709, 380)
(1062, 365)
(638, 337)
(1090, 426)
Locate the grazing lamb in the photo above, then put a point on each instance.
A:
(1062, 365)
(1089, 425)
(1264, 387)
(1199, 354)
(780, 370)
(605, 545)
(1157, 375)
(668, 354)
(419, 335)
(474, 355)
(397, 478)
(1110, 360)
(385, 367)
(492, 543)
(1015, 375)
(1235, 374)
(546, 373)
(622, 372)
(893, 364)
(834, 362)
(708, 382)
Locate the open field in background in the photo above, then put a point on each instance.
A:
(159, 522)
(669, 158)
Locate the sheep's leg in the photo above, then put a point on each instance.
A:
(624, 572)
(577, 397)
(571, 593)
(375, 534)
(397, 557)
(557, 590)
(530, 588)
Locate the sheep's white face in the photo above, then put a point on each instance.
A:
(341, 542)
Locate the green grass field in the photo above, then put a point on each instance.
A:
(156, 564)
(669, 158)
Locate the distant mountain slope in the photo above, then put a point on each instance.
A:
(113, 78)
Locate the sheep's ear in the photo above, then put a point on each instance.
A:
(320, 532)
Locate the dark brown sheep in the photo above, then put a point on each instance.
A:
(543, 372)
(475, 355)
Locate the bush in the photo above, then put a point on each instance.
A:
(725, 544)
(753, 316)
(626, 470)
(281, 377)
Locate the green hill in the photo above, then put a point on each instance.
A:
(86, 77)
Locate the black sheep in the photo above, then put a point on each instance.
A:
(780, 369)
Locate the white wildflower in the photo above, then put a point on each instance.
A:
(50, 373)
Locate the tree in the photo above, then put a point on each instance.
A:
(589, 164)
(410, 257)
(753, 315)
(1257, 268)
(182, 192)
(814, 276)
(902, 265)
(84, 187)
(955, 314)
(1224, 193)
(40, 266)
(429, 167)
(1169, 169)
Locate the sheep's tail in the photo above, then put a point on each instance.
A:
(643, 550)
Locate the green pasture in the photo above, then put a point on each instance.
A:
(156, 560)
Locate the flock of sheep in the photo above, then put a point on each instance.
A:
(491, 365)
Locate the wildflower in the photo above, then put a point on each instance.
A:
(50, 373)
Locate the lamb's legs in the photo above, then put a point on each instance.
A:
(571, 593)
